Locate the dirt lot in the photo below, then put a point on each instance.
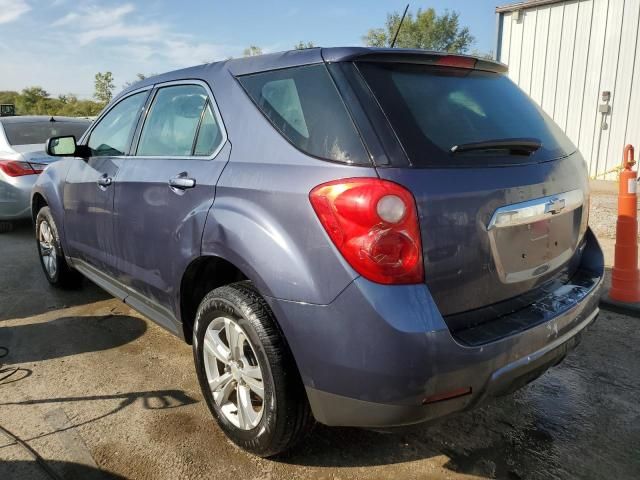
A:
(96, 391)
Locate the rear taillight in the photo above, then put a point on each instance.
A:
(37, 167)
(14, 168)
(374, 224)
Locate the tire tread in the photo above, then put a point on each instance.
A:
(67, 277)
(295, 420)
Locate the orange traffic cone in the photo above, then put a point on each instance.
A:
(625, 279)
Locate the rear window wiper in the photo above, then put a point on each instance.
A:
(515, 146)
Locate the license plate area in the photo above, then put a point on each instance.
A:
(536, 237)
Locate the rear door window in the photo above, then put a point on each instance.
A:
(303, 104)
(433, 109)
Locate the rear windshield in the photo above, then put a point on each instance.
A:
(304, 105)
(28, 133)
(433, 109)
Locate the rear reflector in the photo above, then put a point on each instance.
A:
(14, 168)
(456, 61)
(439, 397)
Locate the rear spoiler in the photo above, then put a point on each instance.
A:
(401, 55)
(311, 56)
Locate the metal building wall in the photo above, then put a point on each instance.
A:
(564, 55)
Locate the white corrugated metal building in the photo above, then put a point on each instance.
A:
(579, 60)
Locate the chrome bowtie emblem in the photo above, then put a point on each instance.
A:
(555, 205)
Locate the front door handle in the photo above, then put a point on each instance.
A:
(182, 182)
(104, 181)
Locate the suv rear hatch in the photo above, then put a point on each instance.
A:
(502, 194)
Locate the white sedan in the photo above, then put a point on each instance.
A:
(22, 158)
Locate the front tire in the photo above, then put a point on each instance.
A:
(54, 265)
(247, 373)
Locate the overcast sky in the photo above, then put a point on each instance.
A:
(61, 44)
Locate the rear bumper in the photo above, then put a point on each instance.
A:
(332, 409)
(15, 196)
(372, 356)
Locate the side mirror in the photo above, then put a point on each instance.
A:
(61, 146)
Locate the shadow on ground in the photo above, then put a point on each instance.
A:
(151, 400)
(35, 299)
(498, 441)
(11, 374)
(24, 290)
(67, 336)
(52, 470)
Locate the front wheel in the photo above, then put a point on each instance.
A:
(247, 373)
(55, 267)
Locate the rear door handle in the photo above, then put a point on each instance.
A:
(104, 181)
(182, 182)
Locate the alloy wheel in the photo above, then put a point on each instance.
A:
(46, 243)
(233, 373)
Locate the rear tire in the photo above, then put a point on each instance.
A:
(258, 398)
(6, 227)
(54, 265)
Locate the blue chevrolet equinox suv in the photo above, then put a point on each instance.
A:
(351, 236)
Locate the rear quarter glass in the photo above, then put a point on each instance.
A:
(431, 109)
(303, 104)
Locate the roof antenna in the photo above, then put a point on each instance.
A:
(395, 37)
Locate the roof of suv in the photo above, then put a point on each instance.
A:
(308, 56)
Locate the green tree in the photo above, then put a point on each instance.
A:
(139, 78)
(33, 100)
(104, 87)
(37, 101)
(302, 45)
(426, 29)
(252, 51)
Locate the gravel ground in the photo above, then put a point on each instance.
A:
(603, 215)
(604, 209)
(99, 392)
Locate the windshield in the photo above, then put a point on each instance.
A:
(31, 133)
(434, 109)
